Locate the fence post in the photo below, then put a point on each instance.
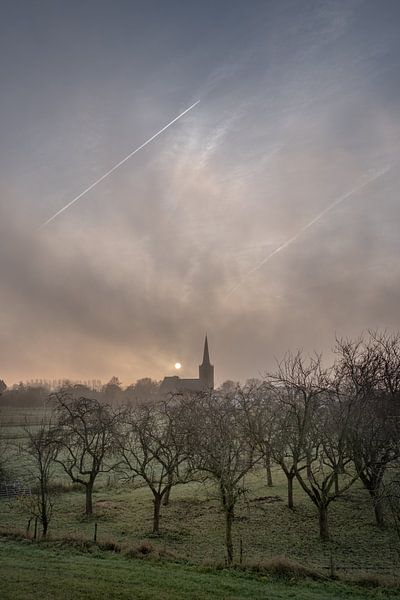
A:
(331, 565)
(95, 533)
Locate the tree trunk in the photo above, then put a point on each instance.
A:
(379, 516)
(336, 482)
(323, 523)
(309, 469)
(290, 478)
(89, 501)
(167, 495)
(45, 525)
(168, 492)
(43, 508)
(378, 507)
(229, 516)
(156, 513)
(269, 472)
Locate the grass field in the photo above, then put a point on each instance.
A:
(192, 526)
(30, 571)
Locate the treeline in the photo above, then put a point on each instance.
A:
(325, 427)
(35, 394)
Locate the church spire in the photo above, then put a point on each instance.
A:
(206, 357)
(206, 369)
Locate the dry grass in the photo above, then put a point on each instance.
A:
(375, 581)
(278, 566)
(281, 566)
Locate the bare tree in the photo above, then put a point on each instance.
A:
(153, 447)
(41, 448)
(222, 448)
(85, 433)
(287, 441)
(4, 447)
(313, 422)
(257, 399)
(330, 471)
(297, 387)
(370, 373)
(391, 497)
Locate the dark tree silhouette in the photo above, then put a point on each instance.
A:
(369, 369)
(42, 450)
(153, 447)
(222, 448)
(86, 433)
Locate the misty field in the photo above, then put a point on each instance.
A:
(187, 558)
(192, 525)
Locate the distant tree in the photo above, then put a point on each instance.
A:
(153, 448)
(112, 390)
(85, 434)
(41, 448)
(229, 387)
(3, 386)
(80, 390)
(222, 448)
(144, 391)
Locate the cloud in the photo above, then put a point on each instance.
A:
(296, 105)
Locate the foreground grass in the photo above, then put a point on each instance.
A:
(29, 571)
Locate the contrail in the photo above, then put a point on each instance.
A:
(290, 241)
(115, 167)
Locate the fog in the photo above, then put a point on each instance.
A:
(298, 106)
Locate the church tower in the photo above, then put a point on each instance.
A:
(206, 369)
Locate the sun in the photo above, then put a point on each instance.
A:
(178, 365)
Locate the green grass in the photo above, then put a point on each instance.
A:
(29, 572)
(193, 525)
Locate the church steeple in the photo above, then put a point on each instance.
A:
(206, 369)
(206, 357)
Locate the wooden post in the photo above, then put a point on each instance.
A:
(95, 533)
(331, 564)
(240, 551)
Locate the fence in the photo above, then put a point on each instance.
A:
(12, 489)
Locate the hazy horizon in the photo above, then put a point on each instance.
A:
(299, 107)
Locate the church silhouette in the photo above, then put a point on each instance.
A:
(204, 382)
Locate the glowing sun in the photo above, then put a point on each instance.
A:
(178, 365)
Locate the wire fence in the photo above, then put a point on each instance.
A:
(10, 490)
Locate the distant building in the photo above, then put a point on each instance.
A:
(202, 384)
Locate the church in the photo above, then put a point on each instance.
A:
(204, 382)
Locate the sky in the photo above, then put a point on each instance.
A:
(268, 215)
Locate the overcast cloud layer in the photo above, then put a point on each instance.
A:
(299, 104)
